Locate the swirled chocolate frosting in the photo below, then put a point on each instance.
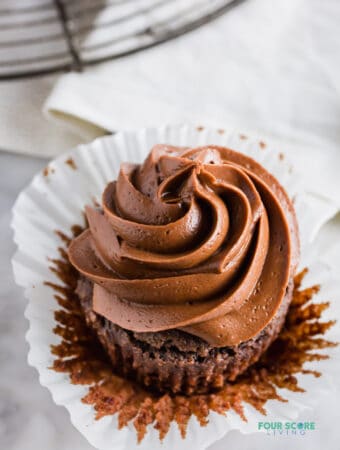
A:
(203, 240)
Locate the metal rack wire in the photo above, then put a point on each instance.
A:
(44, 36)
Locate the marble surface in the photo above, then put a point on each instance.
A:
(28, 417)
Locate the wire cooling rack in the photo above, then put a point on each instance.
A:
(45, 36)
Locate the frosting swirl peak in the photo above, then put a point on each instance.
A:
(203, 240)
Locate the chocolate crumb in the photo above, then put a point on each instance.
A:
(81, 356)
(70, 162)
(281, 156)
(47, 170)
(262, 144)
(200, 128)
(220, 131)
(243, 137)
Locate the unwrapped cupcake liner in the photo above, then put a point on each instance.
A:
(55, 200)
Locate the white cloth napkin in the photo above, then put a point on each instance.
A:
(272, 68)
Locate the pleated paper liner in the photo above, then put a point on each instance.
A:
(115, 413)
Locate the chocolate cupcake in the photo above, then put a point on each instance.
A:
(186, 271)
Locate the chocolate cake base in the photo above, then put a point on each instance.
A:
(174, 361)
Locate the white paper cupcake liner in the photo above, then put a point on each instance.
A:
(55, 200)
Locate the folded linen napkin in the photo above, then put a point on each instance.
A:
(272, 69)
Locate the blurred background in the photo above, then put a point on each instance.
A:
(73, 70)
